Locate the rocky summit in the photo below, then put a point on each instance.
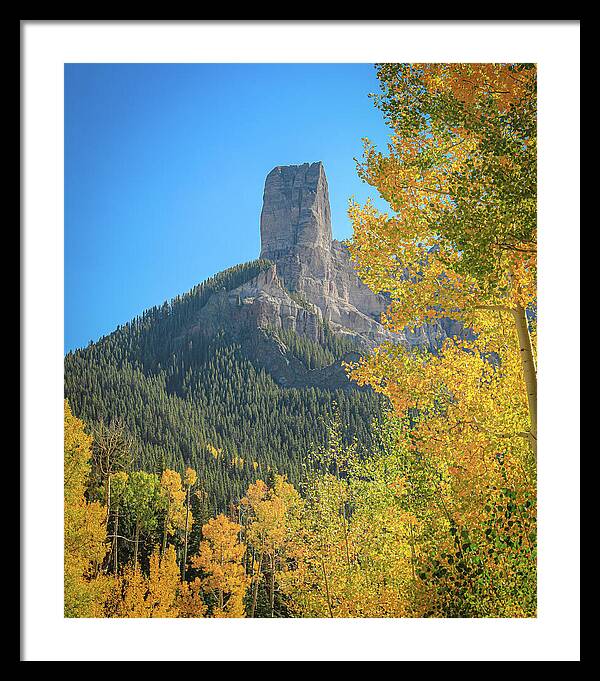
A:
(311, 280)
(295, 231)
(308, 284)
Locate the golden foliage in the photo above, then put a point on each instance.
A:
(273, 516)
(159, 594)
(84, 526)
(460, 176)
(220, 560)
(190, 477)
(173, 496)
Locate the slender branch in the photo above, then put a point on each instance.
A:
(510, 247)
(501, 308)
(425, 189)
(519, 433)
(119, 536)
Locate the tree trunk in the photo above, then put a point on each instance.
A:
(273, 584)
(116, 540)
(185, 541)
(346, 535)
(326, 587)
(107, 495)
(529, 371)
(413, 559)
(255, 594)
(164, 543)
(137, 541)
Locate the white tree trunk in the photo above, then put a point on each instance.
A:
(529, 371)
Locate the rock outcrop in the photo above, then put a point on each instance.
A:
(295, 229)
(295, 212)
(310, 284)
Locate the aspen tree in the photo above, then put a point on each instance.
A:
(111, 453)
(143, 500)
(273, 512)
(220, 558)
(84, 526)
(189, 481)
(460, 179)
(173, 497)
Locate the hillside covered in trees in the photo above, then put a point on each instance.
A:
(200, 402)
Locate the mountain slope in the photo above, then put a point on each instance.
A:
(240, 376)
(196, 398)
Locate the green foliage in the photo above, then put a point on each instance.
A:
(316, 355)
(479, 563)
(201, 403)
(489, 112)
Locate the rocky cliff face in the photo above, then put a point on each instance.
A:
(295, 230)
(311, 282)
(295, 213)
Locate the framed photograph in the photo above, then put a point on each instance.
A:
(286, 334)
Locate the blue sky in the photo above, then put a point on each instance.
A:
(165, 167)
